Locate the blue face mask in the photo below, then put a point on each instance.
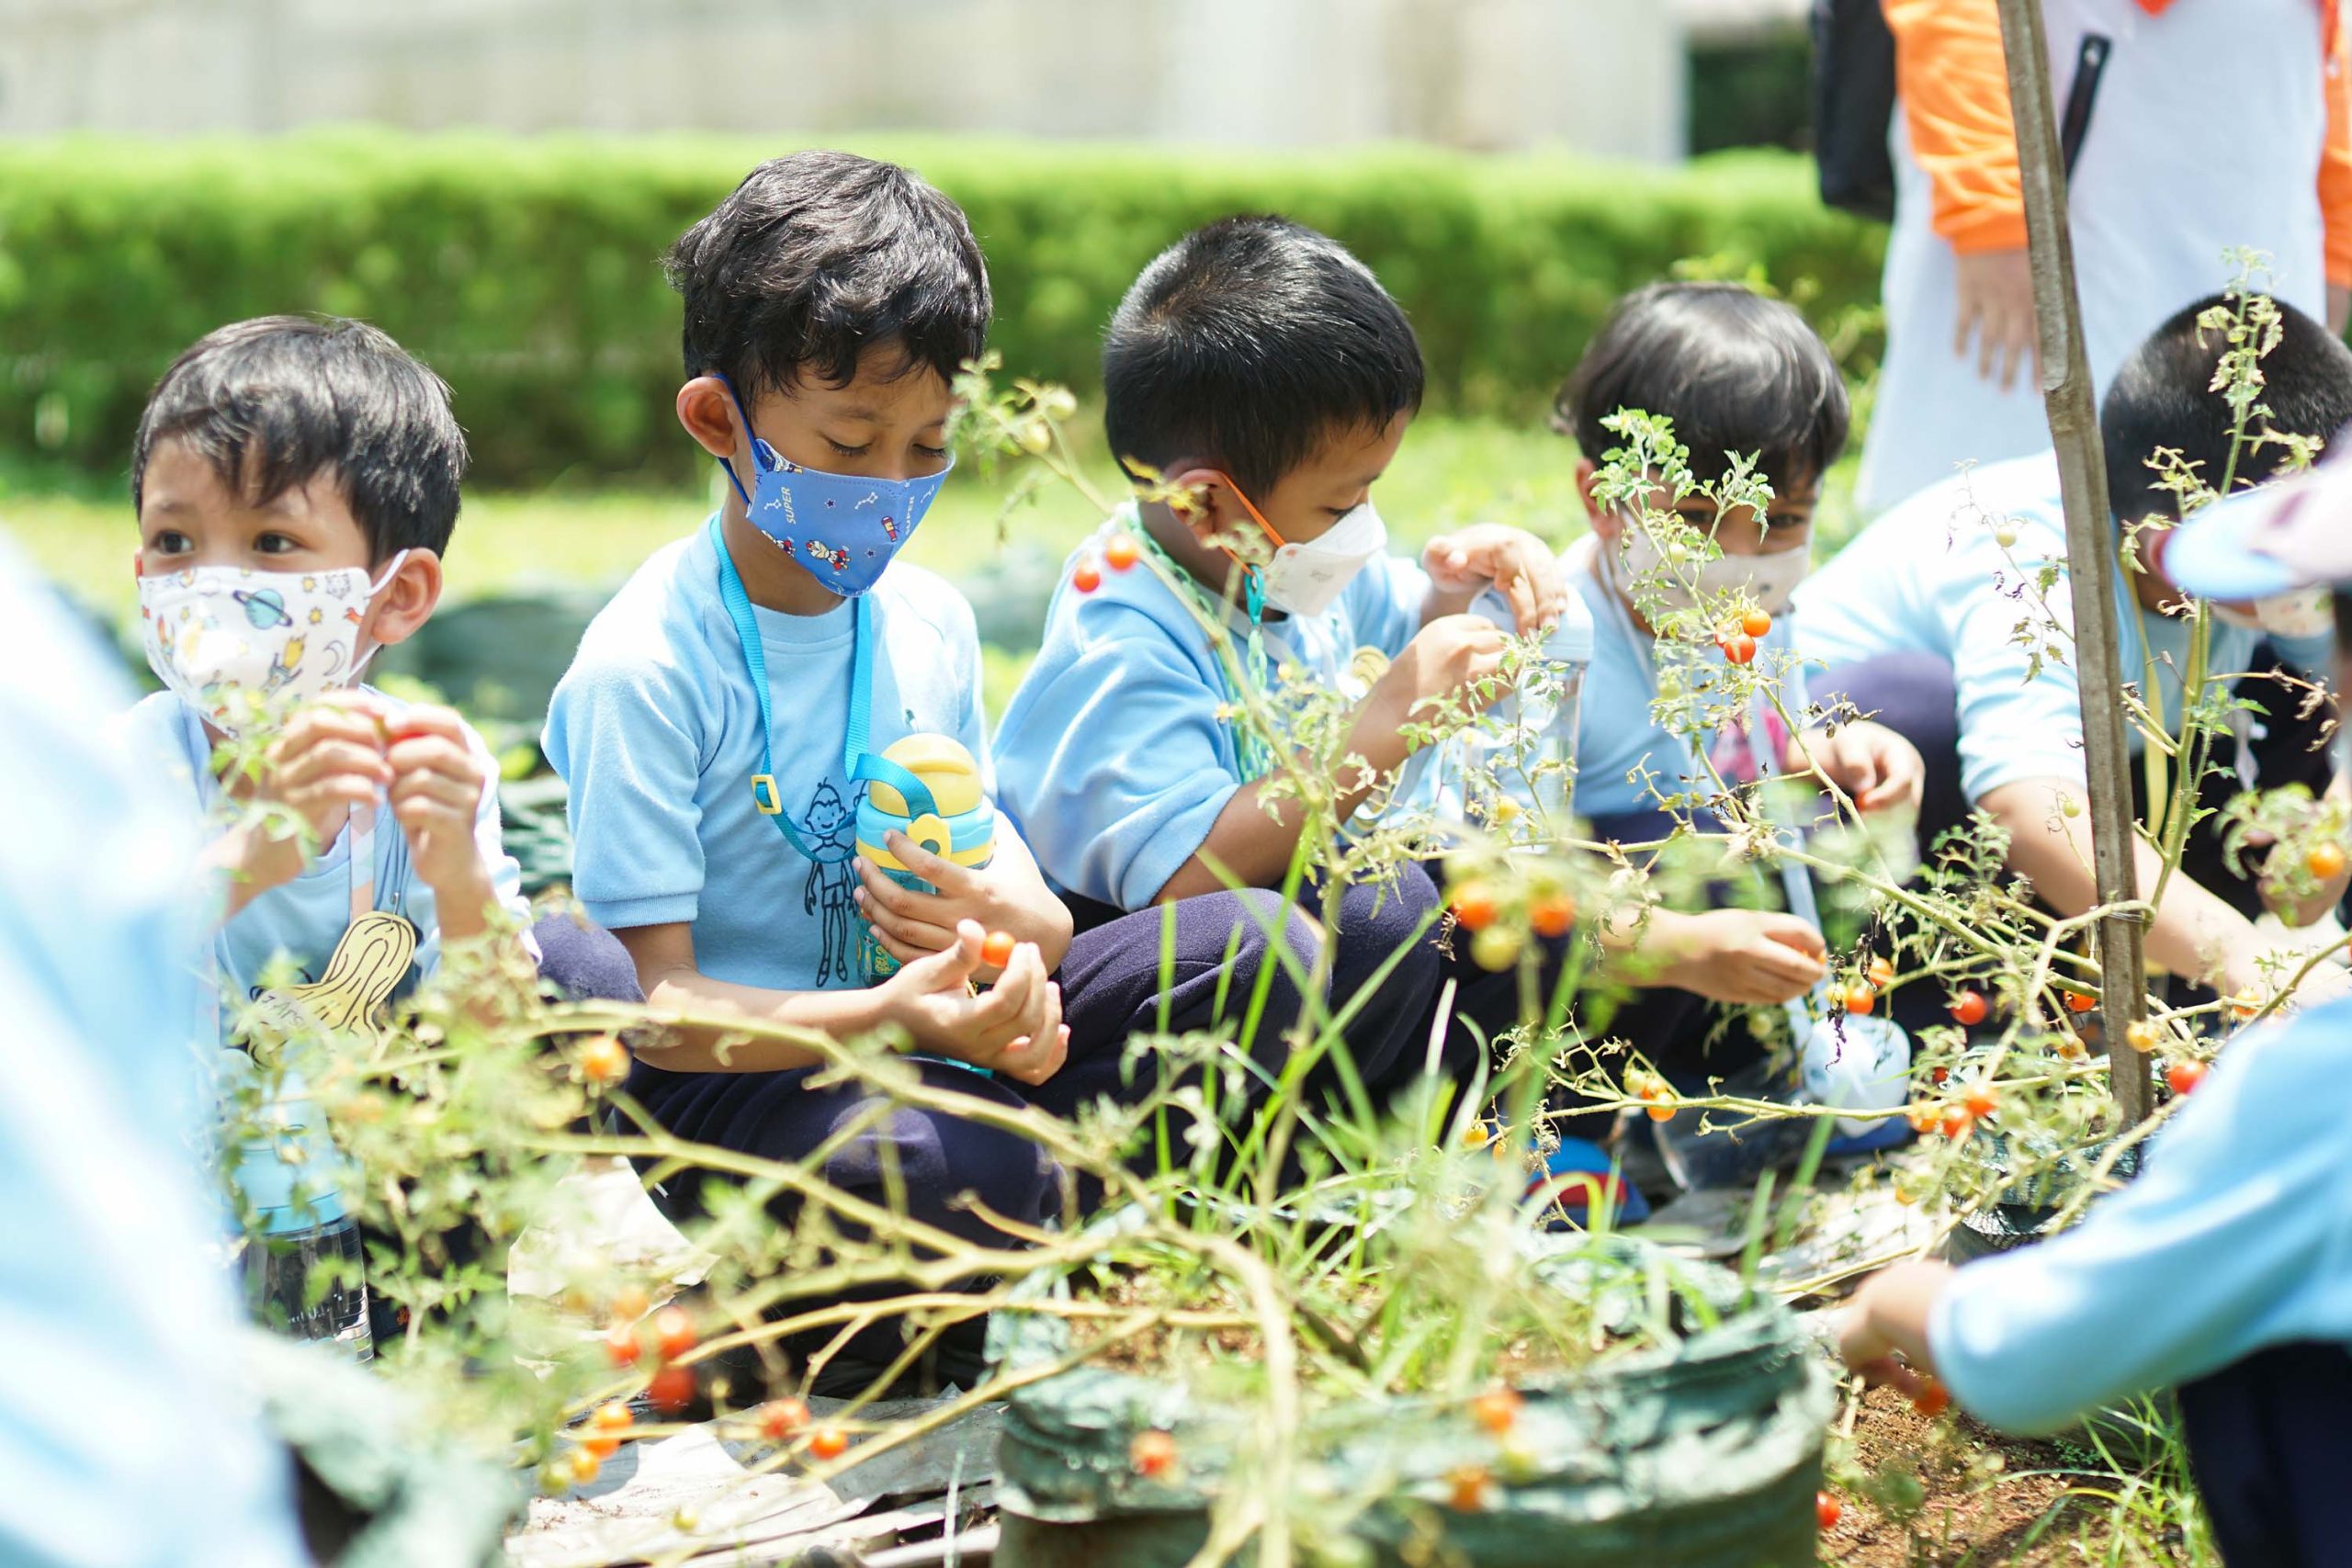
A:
(842, 528)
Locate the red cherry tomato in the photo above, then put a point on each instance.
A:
(1086, 579)
(622, 1345)
(1121, 552)
(1474, 906)
(1739, 648)
(1968, 1009)
(1152, 1454)
(1982, 1100)
(1933, 1400)
(672, 1390)
(1756, 623)
(673, 1331)
(1827, 1510)
(2184, 1075)
(780, 1420)
(2080, 1001)
(1861, 1000)
(997, 950)
(828, 1442)
(1957, 1121)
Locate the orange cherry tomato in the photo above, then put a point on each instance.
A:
(1086, 579)
(1153, 1454)
(997, 950)
(2080, 1001)
(1957, 1121)
(1933, 1400)
(600, 1447)
(2325, 859)
(672, 1390)
(1468, 1488)
(585, 1465)
(1120, 553)
(780, 1420)
(1982, 1100)
(1497, 1410)
(1661, 1112)
(1474, 906)
(2184, 1075)
(1882, 972)
(828, 1442)
(622, 1345)
(1756, 623)
(629, 1303)
(1739, 648)
(2143, 1035)
(1861, 1000)
(613, 1416)
(1968, 1009)
(1552, 915)
(673, 1332)
(604, 1061)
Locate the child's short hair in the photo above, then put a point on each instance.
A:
(1734, 371)
(817, 257)
(2163, 398)
(1248, 343)
(273, 402)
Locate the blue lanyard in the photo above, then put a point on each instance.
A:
(855, 756)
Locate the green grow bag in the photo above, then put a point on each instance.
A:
(1702, 1454)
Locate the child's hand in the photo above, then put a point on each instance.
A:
(1521, 568)
(328, 759)
(1746, 957)
(1875, 767)
(1015, 1028)
(1883, 1333)
(436, 787)
(1007, 894)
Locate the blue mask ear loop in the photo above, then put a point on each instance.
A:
(749, 435)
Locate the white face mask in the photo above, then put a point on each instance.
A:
(1303, 578)
(214, 632)
(1770, 580)
(2302, 613)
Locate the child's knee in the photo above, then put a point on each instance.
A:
(921, 1163)
(583, 961)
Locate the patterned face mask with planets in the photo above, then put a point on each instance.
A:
(217, 636)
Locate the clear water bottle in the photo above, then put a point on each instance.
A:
(304, 1272)
(1567, 653)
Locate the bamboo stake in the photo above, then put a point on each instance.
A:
(2092, 567)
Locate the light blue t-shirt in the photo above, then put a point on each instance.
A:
(111, 1283)
(1625, 759)
(302, 921)
(656, 729)
(1112, 757)
(1932, 577)
(2236, 1238)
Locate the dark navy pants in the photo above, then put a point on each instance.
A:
(2270, 1441)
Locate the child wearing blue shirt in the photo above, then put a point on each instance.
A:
(1949, 575)
(724, 711)
(2231, 1255)
(1264, 374)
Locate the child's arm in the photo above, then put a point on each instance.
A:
(328, 759)
(1254, 845)
(1513, 562)
(1014, 1028)
(437, 794)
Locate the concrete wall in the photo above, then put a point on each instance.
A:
(1602, 75)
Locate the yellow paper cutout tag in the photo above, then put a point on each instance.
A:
(367, 966)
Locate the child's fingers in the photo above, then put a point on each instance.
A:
(951, 879)
(1035, 1057)
(317, 727)
(433, 753)
(428, 719)
(922, 936)
(907, 951)
(333, 759)
(461, 795)
(905, 903)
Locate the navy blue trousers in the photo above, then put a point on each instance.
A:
(2271, 1445)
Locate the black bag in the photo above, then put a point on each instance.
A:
(1853, 106)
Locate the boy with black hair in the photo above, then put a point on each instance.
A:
(725, 711)
(1263, 372)
(1951, 575)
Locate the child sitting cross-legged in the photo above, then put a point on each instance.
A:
(729, 711)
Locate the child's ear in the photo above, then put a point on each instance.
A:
(1202, 501)
(708, 414)
(1604, 520)
(406, 602)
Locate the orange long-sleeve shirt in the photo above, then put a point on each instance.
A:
(1955, 94)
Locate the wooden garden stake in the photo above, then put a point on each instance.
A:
(2091, 563)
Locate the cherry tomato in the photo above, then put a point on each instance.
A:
(1086, 579)
(613, 1416)
(1756, 623)
(583, 1466)
(600, 1447)
(1968, 1009)
(2184, 1075)
(1468, 1487)
(1933, 1400)
(1922, 1117)
(828, 1442)
(1982, 1100)
(1477, 1135)
(1827, 1510)
(1942, 1076)
(1474, 906)
(673, 1331)
(672, 1390)
(780, 1420)
(2080, 1001)
(629, 1303)
(2325, 860)
(1957, 1121)
(622, 1345)
(1882, 972)
(1152, 1454)
(1495, 949)
(1663, 1111)
(1861, 1000)
(1120, 553)
(997, 950)
(2143, 1035)
(1497, 1410)
(2245, 1004)
(1740, 649)
(1552, 915)
(604, 1061)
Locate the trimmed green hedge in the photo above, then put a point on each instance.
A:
(526, 270)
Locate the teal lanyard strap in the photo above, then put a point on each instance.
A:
(1249, 749)
(755, 663)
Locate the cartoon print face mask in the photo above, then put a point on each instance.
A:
(215, 633)
(843, 528)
